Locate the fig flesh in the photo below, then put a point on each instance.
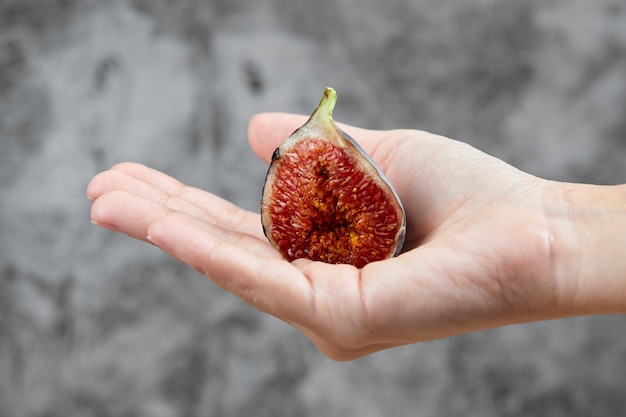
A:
(325, 199)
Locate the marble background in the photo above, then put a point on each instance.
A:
(95, 324)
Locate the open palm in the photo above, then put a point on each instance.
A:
(477, 252)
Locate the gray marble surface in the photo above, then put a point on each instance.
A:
(95, 324)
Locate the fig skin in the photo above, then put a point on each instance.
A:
(325, 199)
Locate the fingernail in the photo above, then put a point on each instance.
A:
(105, 226)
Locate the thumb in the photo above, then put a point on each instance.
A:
(266, 131)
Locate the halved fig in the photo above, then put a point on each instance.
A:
(325, 199)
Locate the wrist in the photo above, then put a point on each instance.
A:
(588, 231)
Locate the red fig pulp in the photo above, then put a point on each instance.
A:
(325, 199)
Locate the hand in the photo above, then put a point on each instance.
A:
(484, 245)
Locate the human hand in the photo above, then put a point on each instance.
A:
(484, 245)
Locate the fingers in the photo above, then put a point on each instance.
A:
(165, 193)
(210, 234)
(157, 179)
(123, 212)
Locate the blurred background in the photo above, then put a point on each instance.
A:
(93, 323)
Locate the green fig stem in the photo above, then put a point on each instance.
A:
(324, 112)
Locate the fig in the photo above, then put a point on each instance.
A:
(325, 199)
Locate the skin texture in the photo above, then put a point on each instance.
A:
(487, 245)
